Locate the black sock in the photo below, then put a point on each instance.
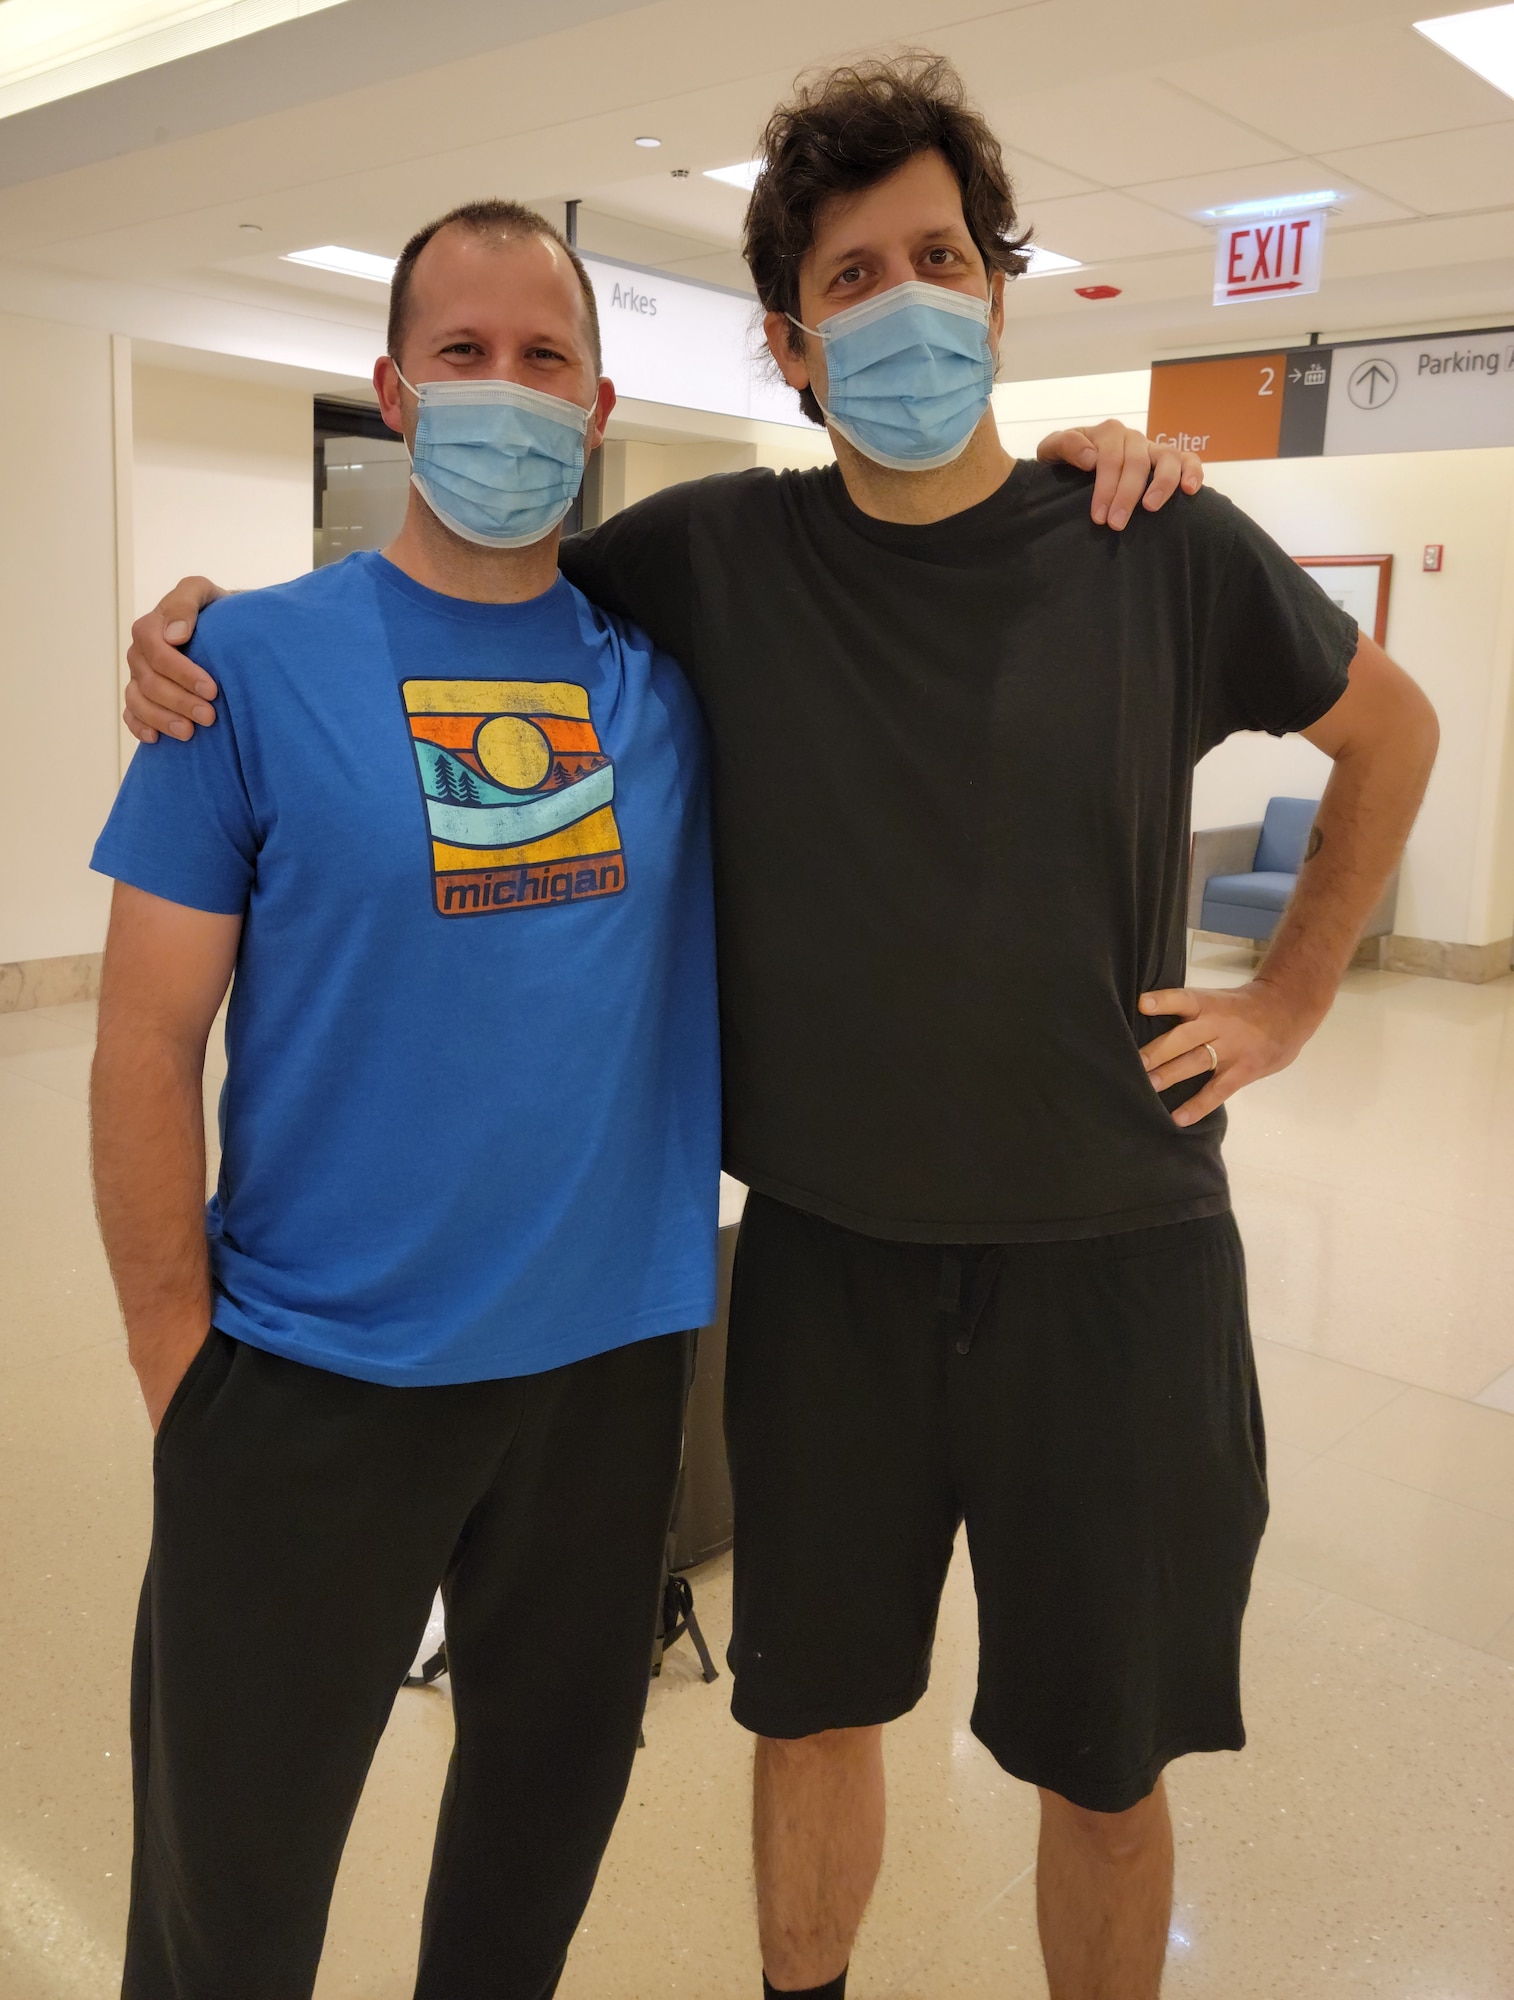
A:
(833, 1989)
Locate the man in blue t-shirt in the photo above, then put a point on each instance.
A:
(452, 836)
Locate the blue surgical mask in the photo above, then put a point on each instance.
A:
(498, 463)
(909, 374)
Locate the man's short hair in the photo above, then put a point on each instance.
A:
(484, 218)
(846, 129)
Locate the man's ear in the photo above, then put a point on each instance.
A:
(791, 366)
(386, 381)
(604, 403)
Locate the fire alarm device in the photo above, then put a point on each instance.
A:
(1097, 291)
(1434, 554)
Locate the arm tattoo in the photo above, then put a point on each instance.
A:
(1316, 842)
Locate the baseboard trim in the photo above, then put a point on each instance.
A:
(1430, 958)
(1470, 964)
(49, 982)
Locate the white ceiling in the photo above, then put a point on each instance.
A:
(356, 125)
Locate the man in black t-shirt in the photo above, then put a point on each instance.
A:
(988, 1272)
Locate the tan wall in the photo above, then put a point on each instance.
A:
(222, 480)
(633, 469)
(58, 755)
(1453, 631)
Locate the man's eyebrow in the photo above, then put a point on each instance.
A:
(541, 338)
(934, 233)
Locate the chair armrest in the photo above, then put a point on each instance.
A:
(1218, 850)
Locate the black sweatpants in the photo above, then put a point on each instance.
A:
(302, 1522)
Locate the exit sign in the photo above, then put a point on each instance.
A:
(1268, 257)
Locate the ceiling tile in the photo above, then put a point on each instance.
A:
(697, 206)
(1348, 87)
(1091, 227)
(1195, 193)
(1125, 129)
(1473, 168)
(1426, 244)
(719, 267)
(635, 242)
(1037, 180)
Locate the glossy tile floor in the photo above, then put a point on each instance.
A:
(1363, 1845)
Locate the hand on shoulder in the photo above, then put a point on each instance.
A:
(1128, 469)
(167, 693)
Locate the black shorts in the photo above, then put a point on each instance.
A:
(1088, 1408)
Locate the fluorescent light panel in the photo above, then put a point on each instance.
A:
(48, 51)
(351, 263)
(1283, 203)
(1483, 40)
(742, 175)
(1043, 262)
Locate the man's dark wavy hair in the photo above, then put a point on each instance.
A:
(847, 128)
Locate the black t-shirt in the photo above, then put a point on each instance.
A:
(952, 770)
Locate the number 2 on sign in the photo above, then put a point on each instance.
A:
(1269, 376)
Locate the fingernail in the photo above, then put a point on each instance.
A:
(1118, 518)
(204, 716)
(176, 633)
(1100, 515)
(183, 733)
(1088, 456)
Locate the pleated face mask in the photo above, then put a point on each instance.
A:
(909, 374)
(498, 463)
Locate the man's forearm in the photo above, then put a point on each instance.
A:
(1363, 822)
(148, 1130)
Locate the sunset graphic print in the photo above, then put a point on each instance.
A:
(519, 795)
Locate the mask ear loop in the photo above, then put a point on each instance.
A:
(417, 395)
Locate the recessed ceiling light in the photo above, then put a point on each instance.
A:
(48, 51)
(1277, 205)
(1483, 40)
(351, 263)
(250, 228)
(1044, 262)
(648, 140)
(742, 175)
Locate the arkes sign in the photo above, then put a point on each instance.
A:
(1271, 257)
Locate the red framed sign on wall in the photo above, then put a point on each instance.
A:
(1358, 584)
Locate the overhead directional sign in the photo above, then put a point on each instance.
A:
(696, 346)
(1442, 392)
(1242, 405)
(1445, 393)
(1269, 257)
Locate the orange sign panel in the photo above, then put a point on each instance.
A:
(1227, 407)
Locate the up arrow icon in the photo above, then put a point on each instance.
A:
(1372, 384)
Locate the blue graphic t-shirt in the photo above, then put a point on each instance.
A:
(471, 1119)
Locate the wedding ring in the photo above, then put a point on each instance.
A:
(1214, 1055)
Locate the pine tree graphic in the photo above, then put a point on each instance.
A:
(466, 793)
(441, 778)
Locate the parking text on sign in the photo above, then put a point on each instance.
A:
(1276, 257)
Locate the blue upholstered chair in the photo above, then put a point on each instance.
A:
(1242, 876)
